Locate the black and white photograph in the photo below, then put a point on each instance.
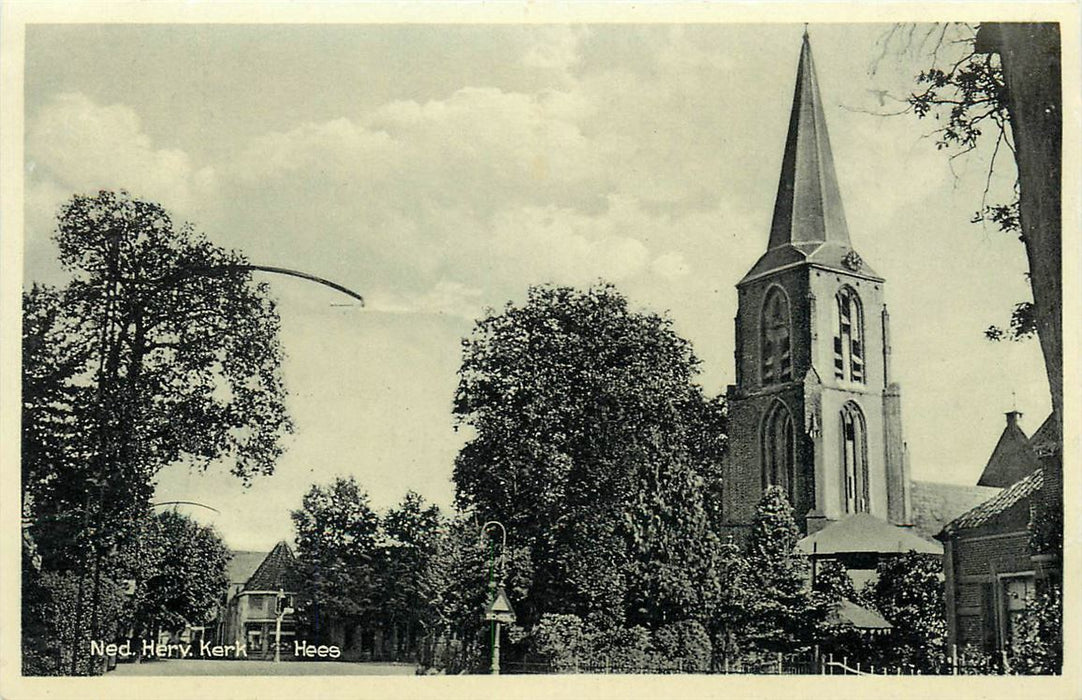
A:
(588, 346)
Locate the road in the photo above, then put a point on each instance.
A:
(233, 667)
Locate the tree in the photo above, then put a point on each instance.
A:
(729, 618)
(457, 584)
(336, 535)
(1009, 76)
(908, 593)
(593, 445)
(181, 566)
(160, 349)
(785, 615)
(412, 531)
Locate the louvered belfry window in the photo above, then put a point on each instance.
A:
(848, 337)
(777, 361)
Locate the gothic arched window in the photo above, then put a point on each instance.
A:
(779, 450)
(848, 336)
(855, 459)
(775, 346)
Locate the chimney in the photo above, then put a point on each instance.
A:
(1012, 418)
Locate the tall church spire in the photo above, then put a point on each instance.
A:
(808, 208)
(809, 219)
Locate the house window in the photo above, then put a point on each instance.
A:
(848, 337)
(1015, 592)
(854, 459)
(779, 450)
(775, 345)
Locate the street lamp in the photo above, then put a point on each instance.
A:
(499, 610)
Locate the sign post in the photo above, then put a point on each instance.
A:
(498, 612)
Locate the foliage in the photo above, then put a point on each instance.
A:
(564, 642)
(1037, 647)
(411, 530)
(179, 568)
(459, 581)
(685, 643)
(594, 447)
(159, 349)
(729, 619)
(785, 614)
(908, 593)
(969, 96)
(833, 581)
(336, 535)
(54, 622)
(969, 93)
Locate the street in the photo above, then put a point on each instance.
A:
(230, 667)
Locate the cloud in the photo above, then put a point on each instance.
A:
(555, 47)
(82, 146)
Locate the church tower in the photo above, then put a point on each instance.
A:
(814, 409)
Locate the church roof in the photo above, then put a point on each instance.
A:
(987, 512)
(864, 532)
(936, 504)
(809, 220)
(276, 572)
(1012, 458)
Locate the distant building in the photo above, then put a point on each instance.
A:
(991, 565)
(256, 580)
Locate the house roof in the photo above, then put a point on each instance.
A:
(935, 504)
(864, 532)
(986, 512)
(243, 564)
(1046, 440)
(276, 572)
(849, 614)
(1012, 458)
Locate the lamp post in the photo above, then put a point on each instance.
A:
(499, 610)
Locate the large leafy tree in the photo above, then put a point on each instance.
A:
(159, 349)
(336, 533)
(412, 532)
(180, 566)
(594, 446)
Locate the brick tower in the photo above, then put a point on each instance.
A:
(813, 409)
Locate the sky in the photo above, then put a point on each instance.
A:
(441, 170)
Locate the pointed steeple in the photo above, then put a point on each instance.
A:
(809, 219)
(808, 208)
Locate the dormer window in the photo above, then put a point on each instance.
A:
(776, 348)
(848, 337)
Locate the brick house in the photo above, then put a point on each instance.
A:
(256, 580)
(990, 564)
